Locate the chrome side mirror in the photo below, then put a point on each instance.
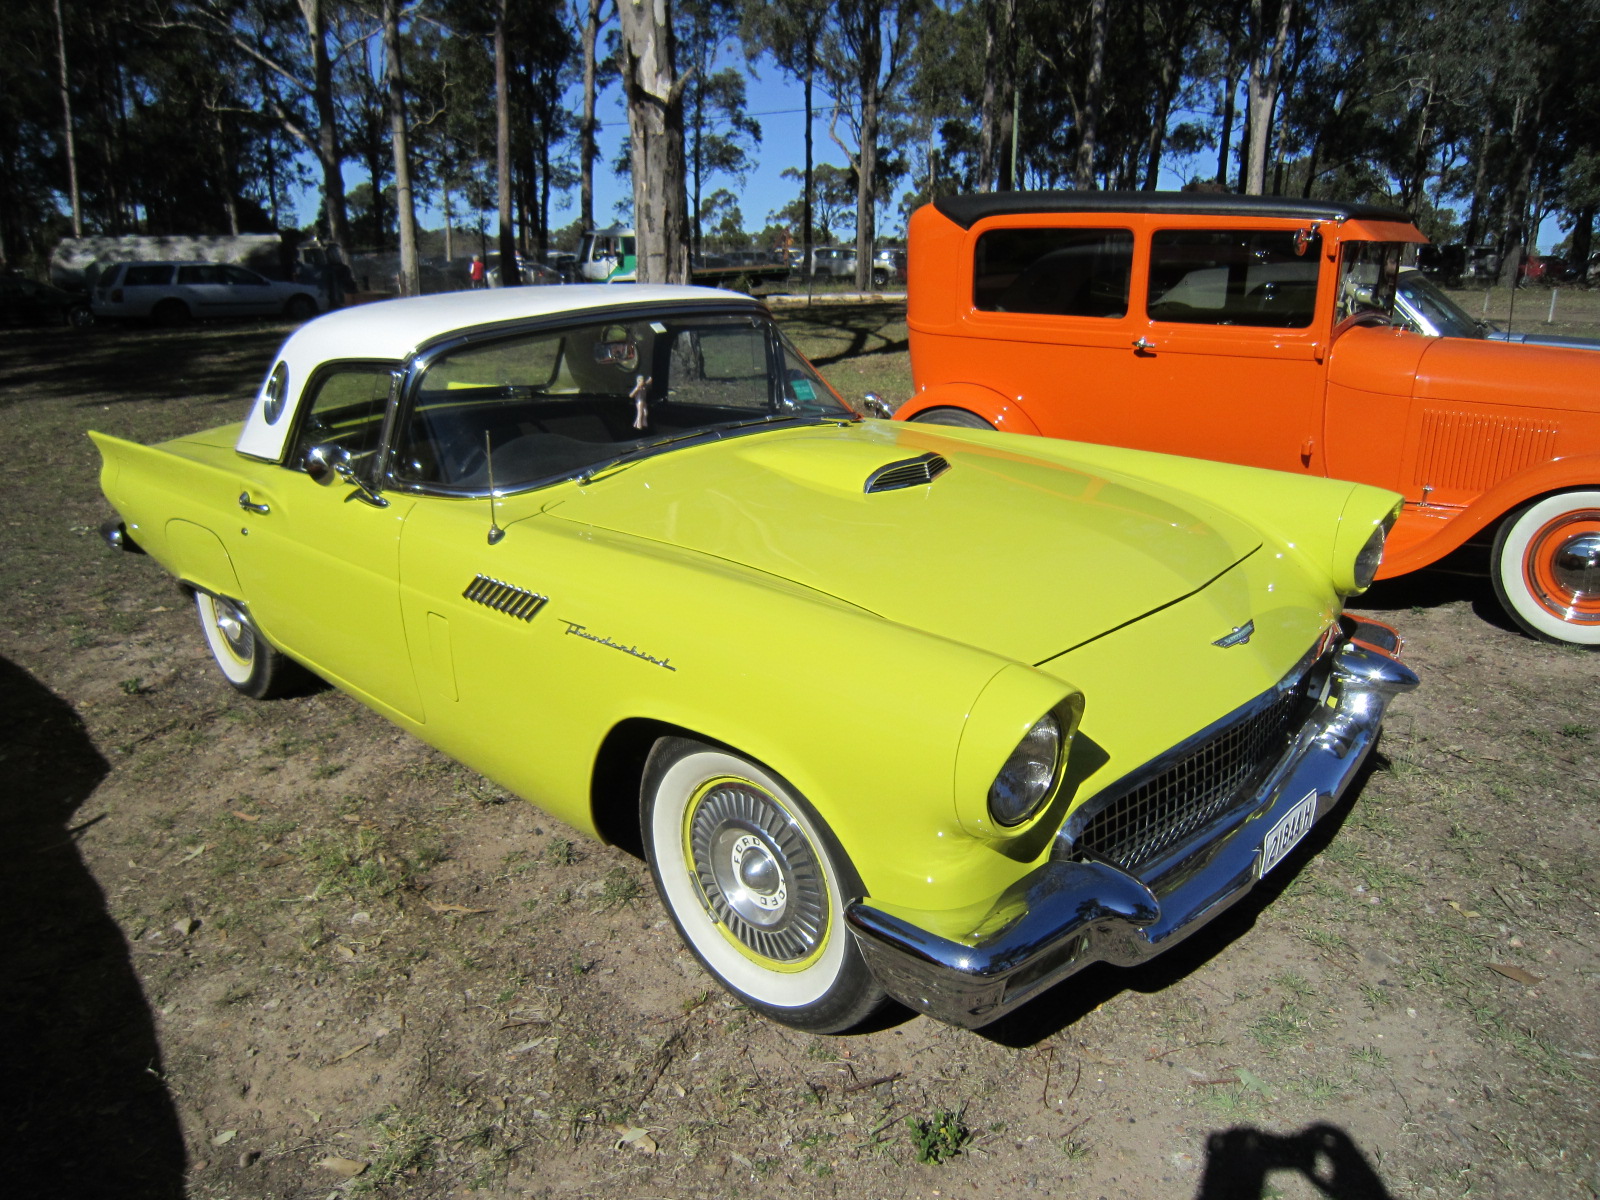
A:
(327, 462)
(330, 461)
(875, 406)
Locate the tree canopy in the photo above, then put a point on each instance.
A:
(208, 116)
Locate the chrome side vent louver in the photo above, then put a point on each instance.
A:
(503, 597)
(910, 472)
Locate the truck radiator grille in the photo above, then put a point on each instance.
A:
(1197, 782)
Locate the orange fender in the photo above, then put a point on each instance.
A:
(1424, 535)
(1000, 411)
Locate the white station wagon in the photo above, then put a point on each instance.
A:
(173, 293)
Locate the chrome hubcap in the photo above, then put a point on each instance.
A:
(1577, 564)
(232, 627)
(758, 874)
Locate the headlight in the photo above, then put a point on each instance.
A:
(1029, 774)
(1355, 565)
(1366, 568)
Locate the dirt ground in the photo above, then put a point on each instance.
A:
(282, 950)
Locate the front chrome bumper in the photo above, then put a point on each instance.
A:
(1076, 912)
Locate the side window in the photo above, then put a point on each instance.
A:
(1062, 272)
(720, 368)
(1234, 277)
(239, 277)
(200, 274)
(147, 274)
(345, 407)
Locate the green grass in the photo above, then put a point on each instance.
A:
(940, 1137)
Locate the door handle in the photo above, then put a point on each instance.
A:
(1143, 345)
(244, 503)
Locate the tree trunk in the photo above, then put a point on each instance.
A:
(1089, 127)
(68, 145)
(587, 127)
(807, 227)
(1582, 240)
(998, 65)
(654, 96)
(405, 212)
(502, 145)
(328, 154)
(1230, 85)
(1266, 74)
(1480, 184)
(866, 180)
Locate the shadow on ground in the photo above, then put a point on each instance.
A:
(1239, 1161)
(858, 329)
(119, 365)
(84, 1108)
(1463, 576)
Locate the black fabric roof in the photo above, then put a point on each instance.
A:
(967, 211)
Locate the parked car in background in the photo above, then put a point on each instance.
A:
(626, 553)
(172, 293)
(889, 266)
(1263, 331)
(25, 301)
(830, 262)
(531, 274)
(1423, 307)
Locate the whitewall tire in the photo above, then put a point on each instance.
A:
(1547, 567)
(756, 886)
(243, 657)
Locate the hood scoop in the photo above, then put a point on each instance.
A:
(908, 472)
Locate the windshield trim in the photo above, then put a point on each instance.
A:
(409, 379)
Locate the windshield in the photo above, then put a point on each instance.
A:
(1443, 313)
(554, 403)
(1367, 273)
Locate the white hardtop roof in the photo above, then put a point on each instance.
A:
(392, 329)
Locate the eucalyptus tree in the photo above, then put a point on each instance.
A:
(866, 54)
(292, 41)
(654, 90)
(719, 137)
(592, 16)
(543, 65)
(791, 32)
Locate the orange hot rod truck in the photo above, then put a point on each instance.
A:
(1258, 330)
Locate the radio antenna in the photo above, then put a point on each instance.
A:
(495, 532)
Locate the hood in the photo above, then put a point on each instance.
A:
(1517, 374)
(1002, 551)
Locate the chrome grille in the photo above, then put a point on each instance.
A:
(504, 597)
(911, 472)
(1184, 791)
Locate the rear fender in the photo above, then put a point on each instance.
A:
(204, 560)
(1000, 411)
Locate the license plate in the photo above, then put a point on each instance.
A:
(1283, 836)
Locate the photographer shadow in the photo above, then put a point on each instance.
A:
(84, 1108)
(1239, 1161)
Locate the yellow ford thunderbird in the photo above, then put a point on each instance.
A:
(893, 710)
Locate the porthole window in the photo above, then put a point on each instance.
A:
(273, 394)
